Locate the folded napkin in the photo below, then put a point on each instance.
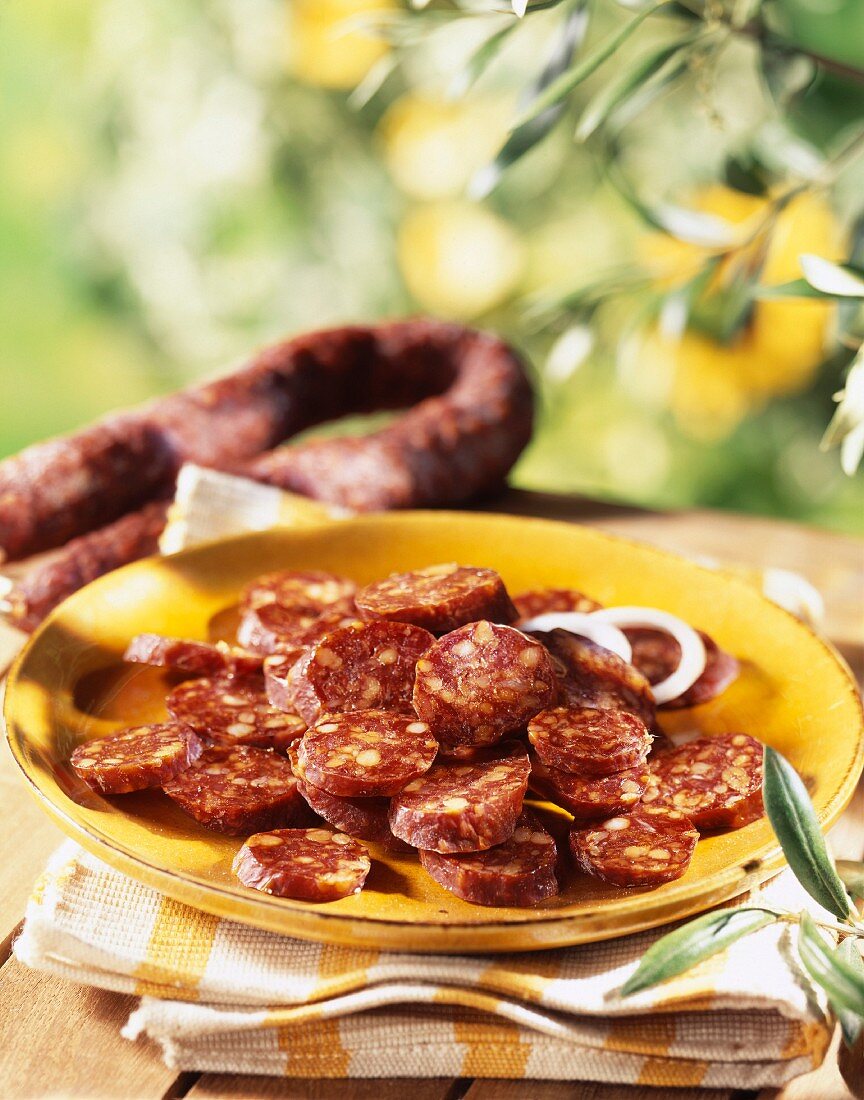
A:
(220, 996)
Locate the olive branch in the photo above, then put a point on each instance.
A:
(719, 296)
(837, 969)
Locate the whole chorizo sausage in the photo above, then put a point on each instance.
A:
(446, 448)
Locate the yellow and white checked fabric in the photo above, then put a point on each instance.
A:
(221, 996)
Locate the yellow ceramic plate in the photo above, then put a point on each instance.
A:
(70, 684)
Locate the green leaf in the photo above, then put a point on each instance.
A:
(786, 74)
(794, 821)
(525, 137)
(480, 60)
(617, 92)
(840, 978)
(373, 81)
(699, 939)
(841, 280)
(560, 88)
(851, 872)
(847, 423)
(797, 288)
(850, 1022)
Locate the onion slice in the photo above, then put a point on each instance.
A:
(585, 624)
(692, 663)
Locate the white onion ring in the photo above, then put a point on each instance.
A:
(578, 622)
(692, 663)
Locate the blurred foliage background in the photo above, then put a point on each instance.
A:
(181, 181)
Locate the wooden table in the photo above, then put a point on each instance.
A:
(62, 1040)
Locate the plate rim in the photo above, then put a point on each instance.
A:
(349, 928)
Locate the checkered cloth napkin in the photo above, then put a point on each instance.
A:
(220, 996)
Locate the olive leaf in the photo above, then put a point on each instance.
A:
(695, 941)
(851, 872)
(851, 1023)
(526, 136)
(797, 288)
(840, 280)
(847, 424)
(480, 60)
(373, 81)
(692, 226)
(558, 90)
(632, 80)
(786, 74)
(794, 821)
(840, 978)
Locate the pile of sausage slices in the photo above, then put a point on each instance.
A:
(419, 712)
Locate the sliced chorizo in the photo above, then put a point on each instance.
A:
(232, 711)
(646, 847)
(137, 758)
(590, 675)
(191, 657)
(543, 601)
(521, 871)
(657, 654)
(589, 741)
(363, 666)
(366, 818)
(481, 682)
(306, 864)
(305, 593)
(273, 629)
(366, 753)
(715, 781)
(239, 790)
(463, 807)
(588, 797)
(439, 598)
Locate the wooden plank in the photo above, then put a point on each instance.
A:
(590, 1090)
(63, 1040)
(220, 1086)
(29, 837)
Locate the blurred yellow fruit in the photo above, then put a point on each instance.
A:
(458, 259)
(433, 146)
(712, 385)
(320, 50)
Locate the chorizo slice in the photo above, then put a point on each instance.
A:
(588, 797)
(366, 753)
(363, 666)
(646, 847)
(276, 687)
(305, 593)
(587, 740)
(229, 711)
(543, 601)
(481, 682)
(715, 781)
(657, 654)
(521, 871)
(273, 629)
(439, 598)
(590, 675)
(463, 807)
(191, 657)
(306, 864)
(137, 758)
(239, 790)
(366, 818)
